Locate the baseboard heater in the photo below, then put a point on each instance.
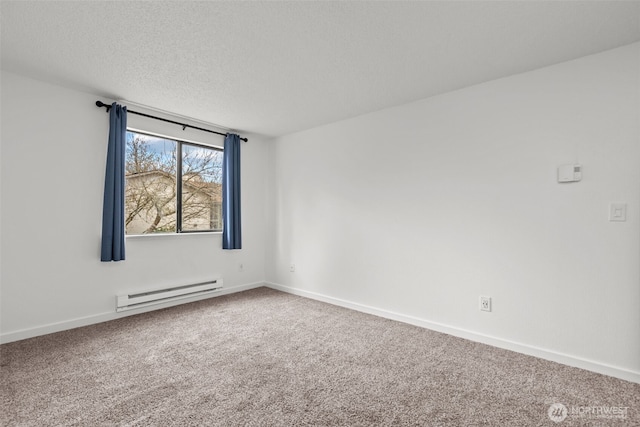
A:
(144, 299)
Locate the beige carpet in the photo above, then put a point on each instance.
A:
(266, 358)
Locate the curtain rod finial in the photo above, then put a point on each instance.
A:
(101, 104)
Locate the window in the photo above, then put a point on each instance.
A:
(171, 186)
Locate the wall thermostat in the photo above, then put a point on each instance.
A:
(569, 173)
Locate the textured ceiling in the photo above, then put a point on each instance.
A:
(277, 67)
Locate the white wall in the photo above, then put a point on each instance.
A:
(53, 160)
(416, 211)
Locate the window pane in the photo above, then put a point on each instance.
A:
(201, 188)
(150, 196)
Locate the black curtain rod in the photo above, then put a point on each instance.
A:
(184, 125)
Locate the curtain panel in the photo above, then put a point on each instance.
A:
(113, 227)
(231, 218)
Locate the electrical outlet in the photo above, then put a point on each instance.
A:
(292, 268)
(485, 303)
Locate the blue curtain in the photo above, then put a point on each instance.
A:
(231, 224)
(113, 206)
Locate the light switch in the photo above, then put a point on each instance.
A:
(618, 212)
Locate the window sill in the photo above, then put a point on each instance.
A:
(158, 235)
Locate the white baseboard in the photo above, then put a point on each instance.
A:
(112, 315)
(542, 353)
